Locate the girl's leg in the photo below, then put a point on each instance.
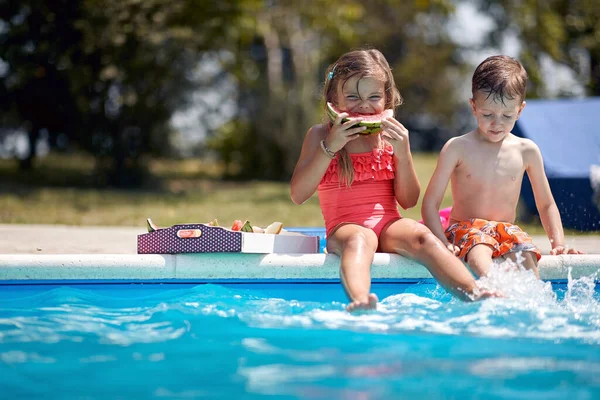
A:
(530, 261)
(356, 245)
(414, 240)
(479, 259)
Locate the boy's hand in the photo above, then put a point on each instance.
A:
(558, 250)
(453, 249)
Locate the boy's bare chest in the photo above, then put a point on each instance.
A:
(492, 167)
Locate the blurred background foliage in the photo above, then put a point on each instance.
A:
(109, 78)
(567, 31)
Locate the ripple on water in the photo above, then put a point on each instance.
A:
(531, 309)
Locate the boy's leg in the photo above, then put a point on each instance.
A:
(356, 245)
(414, 240)
(527, 259)
(479, 259)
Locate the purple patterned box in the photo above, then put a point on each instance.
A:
(201, 238)
(212, 239)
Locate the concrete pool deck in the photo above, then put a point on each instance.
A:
(63, 239)
(54, 252)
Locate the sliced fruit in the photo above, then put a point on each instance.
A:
(151, 226)
(371, 122)
(237, 225)
(247, 227)
(274, 228)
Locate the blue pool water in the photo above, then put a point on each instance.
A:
(280, 341)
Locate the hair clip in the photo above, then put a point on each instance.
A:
(330, 75)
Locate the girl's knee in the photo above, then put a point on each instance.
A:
(359, 241)
(424, 239)
(409, 238)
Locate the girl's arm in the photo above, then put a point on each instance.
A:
(311, 165)
(406, 184)
(544, 201)
(314, 161)
(447, 161)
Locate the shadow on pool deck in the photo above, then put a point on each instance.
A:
(62, 239)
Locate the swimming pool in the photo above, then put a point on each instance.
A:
(231, 340)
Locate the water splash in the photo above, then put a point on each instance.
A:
(580, 294)
(515, 282)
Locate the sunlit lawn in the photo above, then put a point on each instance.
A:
(191, 192)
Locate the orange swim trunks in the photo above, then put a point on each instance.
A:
(502, 237)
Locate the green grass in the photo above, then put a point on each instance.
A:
(191, 192)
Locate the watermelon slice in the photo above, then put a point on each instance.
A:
(151, 225)
(372, 122)
(247, 227)
(237, 225)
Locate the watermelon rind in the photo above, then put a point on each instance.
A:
(373, 127)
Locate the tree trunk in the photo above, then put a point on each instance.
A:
(595, 73)
(33, 135)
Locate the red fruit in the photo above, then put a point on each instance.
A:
(371, 122)
(237, 225)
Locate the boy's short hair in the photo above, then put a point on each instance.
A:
(501, 77)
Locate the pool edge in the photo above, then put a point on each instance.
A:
(21, 269)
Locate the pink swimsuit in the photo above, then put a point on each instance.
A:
(370, 201)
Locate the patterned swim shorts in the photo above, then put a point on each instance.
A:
(502, 237)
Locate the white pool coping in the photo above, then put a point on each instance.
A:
(24, 268)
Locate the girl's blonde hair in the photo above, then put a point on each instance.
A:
(362, 63)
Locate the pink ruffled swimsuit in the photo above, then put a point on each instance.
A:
(370, 201)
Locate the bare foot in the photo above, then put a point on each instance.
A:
(482, 294)
(371, 304)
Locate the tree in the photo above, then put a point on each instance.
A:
(565, 30)
(107, 74)
(281, 55)
(36, 88)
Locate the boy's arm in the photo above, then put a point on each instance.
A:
(447, 161)
(544, 201)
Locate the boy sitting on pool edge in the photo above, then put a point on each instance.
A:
(486, 168)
